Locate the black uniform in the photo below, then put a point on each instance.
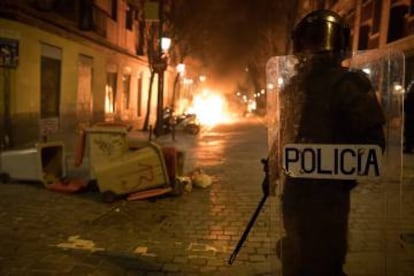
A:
(409, 120)
(323, 104)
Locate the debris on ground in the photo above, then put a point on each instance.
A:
(74, 242)
(68, 185)
(200, 179)
(186, 182)
(148, 193)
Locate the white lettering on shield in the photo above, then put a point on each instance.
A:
(332, 161)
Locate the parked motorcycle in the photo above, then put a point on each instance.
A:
(184, 122)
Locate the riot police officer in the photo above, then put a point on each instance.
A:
(324, 103)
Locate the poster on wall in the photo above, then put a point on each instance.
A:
(9, 52)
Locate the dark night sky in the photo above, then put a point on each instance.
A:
(228, 35)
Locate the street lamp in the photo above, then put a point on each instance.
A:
(165, 44)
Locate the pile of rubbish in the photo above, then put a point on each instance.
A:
(116, 166)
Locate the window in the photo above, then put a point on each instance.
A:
(376, 21)
(114, 10)
(50, 71)
(86, 15)
(67, 9)
(139, 96)
(363, 37)
(397, 22)
(412, 7)
(129, 17)
(110, 93)
(84, 99)
(141, 38)
(126, 80)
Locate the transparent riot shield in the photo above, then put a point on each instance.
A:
(335, 162)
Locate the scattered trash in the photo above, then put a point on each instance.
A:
(197, 247)
(200, 179)
(186, 182)
(68, 186)
(148, 193)
(74, 242)
(119, 170)
(141, 250)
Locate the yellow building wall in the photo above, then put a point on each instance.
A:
(25, 86)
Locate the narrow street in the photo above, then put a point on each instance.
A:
(48, 233)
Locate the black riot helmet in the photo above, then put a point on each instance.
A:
(321, 31)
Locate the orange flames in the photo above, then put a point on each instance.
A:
(210, 108)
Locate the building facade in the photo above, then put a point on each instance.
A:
(68, 64)
(375, 24)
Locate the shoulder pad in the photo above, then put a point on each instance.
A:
(357, 76)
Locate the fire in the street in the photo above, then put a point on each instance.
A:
(210, 108)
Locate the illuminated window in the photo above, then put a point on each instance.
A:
(126, 81)
(139, 96)
(84, 101)
(110, 92)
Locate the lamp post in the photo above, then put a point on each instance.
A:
(160, 66)
(180, 71)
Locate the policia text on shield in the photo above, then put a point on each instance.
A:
(332, 161)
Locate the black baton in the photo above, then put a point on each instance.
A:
(265, 186)
(247, 230)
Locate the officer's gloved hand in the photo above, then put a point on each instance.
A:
(265, 163)
(265, 183)
(265, 186)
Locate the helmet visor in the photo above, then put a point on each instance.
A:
(318, 37)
